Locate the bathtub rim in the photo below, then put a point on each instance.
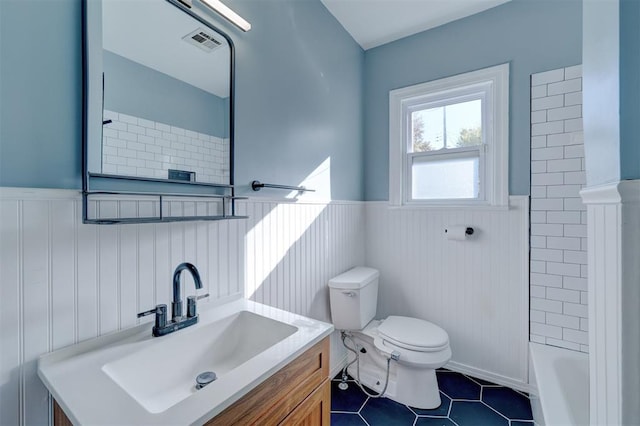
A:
(544, 396)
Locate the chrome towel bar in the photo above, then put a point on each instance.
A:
(256, 185)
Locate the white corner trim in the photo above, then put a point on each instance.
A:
(625, 191)
(613, 240)
(396, 150)
(523, 202)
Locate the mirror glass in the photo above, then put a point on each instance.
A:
(164, 93)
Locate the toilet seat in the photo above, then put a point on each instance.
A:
(413, 334)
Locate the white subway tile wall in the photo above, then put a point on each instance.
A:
(134, 146)
(558, 273)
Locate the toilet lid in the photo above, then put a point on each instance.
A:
(413, 334)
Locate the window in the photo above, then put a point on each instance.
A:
(448, 140)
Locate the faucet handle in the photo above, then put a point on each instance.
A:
(191, 304)
(149, 312)
(161, 315)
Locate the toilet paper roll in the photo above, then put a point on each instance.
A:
(456, 233)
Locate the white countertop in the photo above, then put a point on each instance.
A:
(74, 375)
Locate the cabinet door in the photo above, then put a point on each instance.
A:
(270, 402)
(315, 410)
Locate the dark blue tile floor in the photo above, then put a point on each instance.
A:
(466, 401)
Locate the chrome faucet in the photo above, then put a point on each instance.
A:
(178, 321)
(176, 305)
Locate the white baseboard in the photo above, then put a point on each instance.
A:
(459, 368)
(488, 376)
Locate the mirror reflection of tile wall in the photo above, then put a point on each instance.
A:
(138, 147)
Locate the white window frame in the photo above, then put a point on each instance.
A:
(489, 84)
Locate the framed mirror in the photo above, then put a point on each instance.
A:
(158, 99)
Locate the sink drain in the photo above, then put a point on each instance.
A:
(205, 378)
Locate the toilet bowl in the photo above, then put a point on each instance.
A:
(417, 347)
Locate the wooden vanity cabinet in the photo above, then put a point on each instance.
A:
(313, 411)
(59, 418)
(299, 394)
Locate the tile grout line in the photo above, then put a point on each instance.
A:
(417, 416)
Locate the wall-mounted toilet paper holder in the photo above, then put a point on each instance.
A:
(468, 231)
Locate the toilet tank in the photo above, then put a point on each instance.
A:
(353, 298)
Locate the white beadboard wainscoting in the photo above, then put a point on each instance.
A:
(614, 295)
(293, 250)
(64, 281)
(477, 290)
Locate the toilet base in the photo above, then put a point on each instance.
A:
(424, 396)
(415, 387)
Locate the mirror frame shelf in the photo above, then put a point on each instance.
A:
(228, 205)
(105, 184)
(148, 179)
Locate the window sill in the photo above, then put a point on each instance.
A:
(452, 206)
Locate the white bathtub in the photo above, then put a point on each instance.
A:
(559, 380)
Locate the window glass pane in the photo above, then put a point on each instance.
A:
(462, 121)
(427, 130)
(445, 179)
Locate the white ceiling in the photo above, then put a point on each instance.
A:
(150, 33)
(375, 22)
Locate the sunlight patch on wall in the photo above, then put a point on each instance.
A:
(319, 180)
(266, 244)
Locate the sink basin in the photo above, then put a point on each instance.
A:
(130, 377)
(161, 375)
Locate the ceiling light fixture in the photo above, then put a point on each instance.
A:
(228, 14)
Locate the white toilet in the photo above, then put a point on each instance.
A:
(419, 346)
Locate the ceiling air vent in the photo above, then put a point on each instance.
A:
(203, 39)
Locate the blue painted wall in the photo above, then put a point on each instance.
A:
(533, 36)
(601, 91)
(611, 71)
(299, 95)
(630, 89)
(134, 89)
(41, 94)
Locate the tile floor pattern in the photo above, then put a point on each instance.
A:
(466, 401)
